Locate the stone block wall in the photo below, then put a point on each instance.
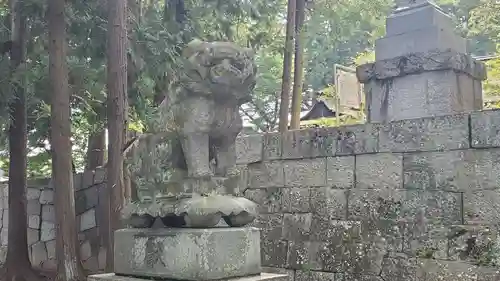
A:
(41, 220)
(407, 200)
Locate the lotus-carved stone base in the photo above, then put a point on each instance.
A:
(195, 212)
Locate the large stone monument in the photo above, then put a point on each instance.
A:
(422, 68)
(186, 172)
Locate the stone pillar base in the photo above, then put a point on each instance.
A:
(188, 253)
(427, 84)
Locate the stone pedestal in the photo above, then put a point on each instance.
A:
(421, 68)
(187, 253)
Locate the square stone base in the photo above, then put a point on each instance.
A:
(258, 277)
(427, 94)
(188, 253)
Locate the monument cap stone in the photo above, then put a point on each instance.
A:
(418, 26)
(406, 20)
(422, 68)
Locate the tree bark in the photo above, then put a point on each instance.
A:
(17, 265)
(95, 150)
(287, 66)
(117, 120)
(68, 259)
(298, 74)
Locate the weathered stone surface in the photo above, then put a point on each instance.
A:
(33, 236)
(273, 146)
(274, 253)
(249, 149)
(32, 193)
(349, 256)
(392, 231)
(308, 275)
(47, 196)
(266, 174)
(5, 218)
(460, 170)
(101, 258)
(38, 253)
(426, 241)
(323, 141)
(270, 225)
(357, 277)
(305, 172)
(420, 40)
(99, 175)
(472, 243)
(85, 251)
(357, 139)
(426, 134)
(77, 181)
(91, 264)
(422, 17)
(325, 230)
(49, 213)
(51, 249)
(485, 128)
(218, 253)
(427, 94)
(33, 207)
(297, 227)
(481, 207)
(3, 254)
(88, 220)
(34, 221)
(381, 170)
(269, 200)
(297, 144)
(305, 255)
(87, 180)
(244, 179)
(430, 270)
(340, 172)
(4, 236)
(259, 277)
(419, 62)
(91, 196)
(399, 268)
(437, 206)
(374, 204)
(329, 203)
(296, 200)
(48, 231)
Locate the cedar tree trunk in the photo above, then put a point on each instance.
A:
(68, 259)
(287, 66)
(117, 121)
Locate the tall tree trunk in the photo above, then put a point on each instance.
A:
(117, 120)
(287, 66)
(95, 150)
(17, 265)
(298, 73)
(68, 259)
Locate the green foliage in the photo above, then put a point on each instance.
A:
(336, 32)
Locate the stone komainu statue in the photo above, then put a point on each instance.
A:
(187, 167)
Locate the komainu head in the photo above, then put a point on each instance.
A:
(219, 70)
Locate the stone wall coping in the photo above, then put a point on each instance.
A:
(480, 129)
(414, 63)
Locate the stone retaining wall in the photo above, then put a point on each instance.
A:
(408, 200)
(397, 201)
(41, 220)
